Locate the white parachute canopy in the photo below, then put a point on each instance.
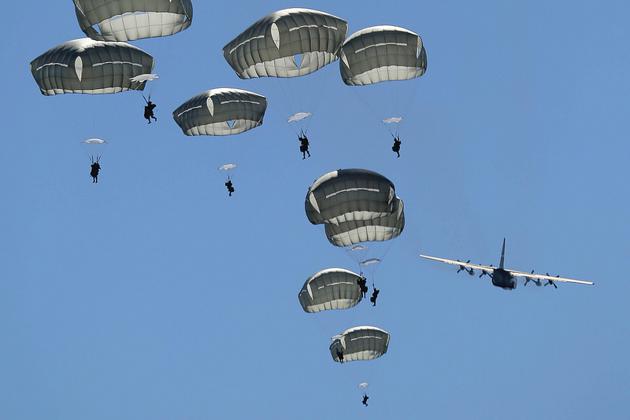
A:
(370, 261)
(363, 386)
(94, 141)
(144, 78)
(299, 116)
(227, 167)
(392, 120)
(358, 248)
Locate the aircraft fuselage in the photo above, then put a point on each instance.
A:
(503, 279)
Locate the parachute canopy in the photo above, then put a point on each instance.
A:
(94, 141)
(363, 385)
(355, 205)
(144, 78)
(349, 194)
(392, 120)
(381, 228)
(88, 66)
(299, 116)
(333, 288)
(221, 112)
(227, 167)
(360, 343)
(127, 20)
(370, 261)
(286, 43)
(382, 53)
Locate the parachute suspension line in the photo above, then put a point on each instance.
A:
(388, 248)
(323, 80)
(306, 94)
(291, 106)
(93, 115)
(357, 255)
(307, 124)
(405, 97)
(373, 111)
(381, 257)
(374, 115)
(288, 109)
(184, 9)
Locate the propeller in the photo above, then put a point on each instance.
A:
(528, 279)
(461, 267)
(551, 282)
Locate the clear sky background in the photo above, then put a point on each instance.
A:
(154, 296)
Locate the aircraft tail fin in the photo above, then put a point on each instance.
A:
(502, 255)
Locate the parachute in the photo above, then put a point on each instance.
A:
(144, 78)
(333, 288)
(300, 122)
(88, 66)
(299, 116)
(363, 386)
(381, 228)
(360, 343)
(94, 141)
(355, 205)
(94, 148)
(221, 112)
(370, 261)
(127, 20)
(349, 194)
(227, 167)
(286, 43)
(393, 122)
(382, 53)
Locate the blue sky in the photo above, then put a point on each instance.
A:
(153, 296)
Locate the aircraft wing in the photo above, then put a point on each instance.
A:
(535, 276)
(485, 268)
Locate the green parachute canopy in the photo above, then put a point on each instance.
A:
(128, 20)
(286, 43)
(359, 343)
(355, 205)
(88, 66)
(221, 112)
(382, 53)
(333, 288)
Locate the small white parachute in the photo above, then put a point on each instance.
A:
(299, 116)
(358, 248)
(227, 167)
(144, 78)
(370, 261)
(363, 386)
(392, 120)
(94, 141)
